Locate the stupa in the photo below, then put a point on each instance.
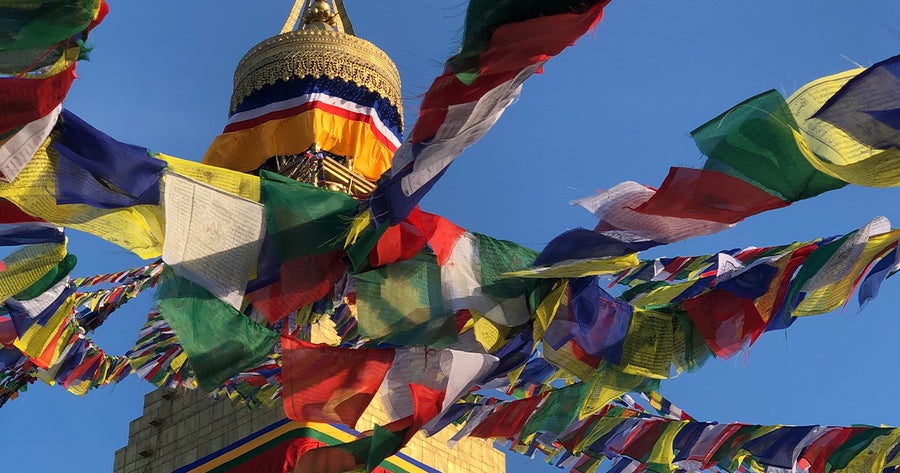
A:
(319, 105)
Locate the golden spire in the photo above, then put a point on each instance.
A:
(324, 44)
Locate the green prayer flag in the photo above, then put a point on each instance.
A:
(43, 23)
(496, 257)
(754, 141)
(559, 409)
(304, 220)
(384, 444)
(401, 304)
(219, 341)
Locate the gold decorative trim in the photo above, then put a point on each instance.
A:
(317, 53)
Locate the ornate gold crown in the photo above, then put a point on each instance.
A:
(317, 49)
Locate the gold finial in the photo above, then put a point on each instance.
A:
(319, 12)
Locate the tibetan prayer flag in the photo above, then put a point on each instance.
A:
(97, 170)
(708, 195)
(401, 304)
(618, 219)
(602, 321)
(726, 321)
(43, 23)
(27, 265)
(508, 419)
(754, 141)
(25, 100)
(330, 384)
(868, 106)
(304, 220)
(219, 341)
(200, 248)
(832, 151)
(649, 344)
(301, 282)
(559, 409)
(472, 279)
(583, 244)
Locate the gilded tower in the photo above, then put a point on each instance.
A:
(319, 105)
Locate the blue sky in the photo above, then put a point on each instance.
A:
(618, 106)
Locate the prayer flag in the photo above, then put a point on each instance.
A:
(219, 341)
(330, 384)
(867, 107)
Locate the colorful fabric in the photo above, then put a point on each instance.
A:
(44, 23)
(303, 220)
(329, 384)
(219, 340)
(288, 117)
(754, 141)
(97, 170)
(867, 107)
(504, 43)
(708, 195)
(400, 304)
(18, 150)
(23, 101)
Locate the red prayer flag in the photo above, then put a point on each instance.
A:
(708, 195)
(724, 320)
(23, 101)
(508, 420)
(301, 282)
(330, 384)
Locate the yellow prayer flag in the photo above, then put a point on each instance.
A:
(579, 268)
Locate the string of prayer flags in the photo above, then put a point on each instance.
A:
(95, 307)
(157, 355)
(759, 159)
(219, 340)
(503, 44)
(867, 107)
(95, 169)
(127, 276)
